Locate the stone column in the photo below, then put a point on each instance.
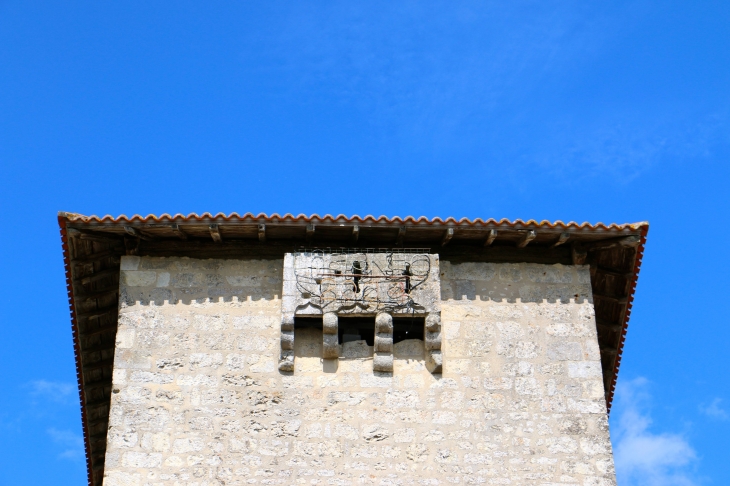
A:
(286, 356)
(330, 348)
(383, 359)
(432, 333)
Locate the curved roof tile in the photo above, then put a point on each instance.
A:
(288, 217)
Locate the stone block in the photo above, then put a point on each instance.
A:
(434, 361)
(433, 322)
(163, 279)
(129, 262)
(142, 460)
(287, 340)
(384, 323)
(433, 340)
(329, 323)
(286, 361)
(287, 322)
(383, 343)
(585, 369)
(125, 338)
(383, 362)
(330, 346)
(564, 351)
(121, 478)
(139, 278)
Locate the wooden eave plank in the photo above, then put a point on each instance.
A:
(376, 234)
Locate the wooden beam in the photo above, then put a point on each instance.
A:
(137, 233)
(262, 233)
(101, 330)
(95, 257)
(96, 295)
(179, 231)
(215, 233)
(610, 298)
(401, 235)
(310, 232)
(355, 233)
(608, 325)
(99, 436)
(527, 238)
(614, 273)
(608, 350)
(447, 236)
(97, 313)
(459, 253)
(105, 402)
(99, 364)
(275, 249)
(131, 244)
(84, 235)
(579, 254)
(626, 242)
(561, 239)
(98, 275)
(97, 348)
(98, 383)
(97, 458)
(490, 237)
(98, 421)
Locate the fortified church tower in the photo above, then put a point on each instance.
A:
(237, 350)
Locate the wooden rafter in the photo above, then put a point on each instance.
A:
(215, 233)
(178, 231)
(447, 236)
(526, 238)
(561, 239)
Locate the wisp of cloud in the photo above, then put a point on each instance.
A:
(642, 456)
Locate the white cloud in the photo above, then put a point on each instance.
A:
(642, 456)
(714, 410)
(71, 443)
(59, 392)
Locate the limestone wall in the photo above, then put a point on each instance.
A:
(198, 398)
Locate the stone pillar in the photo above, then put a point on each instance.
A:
(330, 348)
(432, 333)
(383, 358)
(286, 356)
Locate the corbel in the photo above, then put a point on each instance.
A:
(330, 348)
(383, 357)
(286, 356)
(434, 358)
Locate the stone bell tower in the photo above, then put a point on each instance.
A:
(307, 350)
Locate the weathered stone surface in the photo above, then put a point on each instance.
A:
(383, 362)
(206, 395)
(383, 343)
(433, 322)
(287, 340)
(433, 340)
(356, 349)
(434, 361)
(287, 322)
(329, 323)
(384, 323)
(330, 348)
(317, 282)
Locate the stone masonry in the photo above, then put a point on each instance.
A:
(199, 399)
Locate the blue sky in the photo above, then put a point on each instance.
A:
(586, 111)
